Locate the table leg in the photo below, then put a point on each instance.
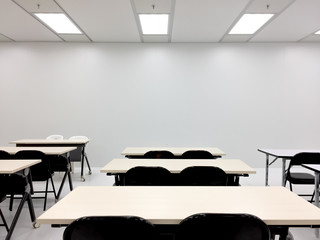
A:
(316, 189)
(267, 169)
(283, 171)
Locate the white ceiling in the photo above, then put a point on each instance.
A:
(190, 20)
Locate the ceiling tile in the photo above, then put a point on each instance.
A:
(298, 21)
(204, 20)
(104, 20)
(19, 25)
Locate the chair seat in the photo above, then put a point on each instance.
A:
(301, 178)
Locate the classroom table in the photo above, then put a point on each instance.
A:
(80, 144)
(138, 152)
(168, 206)
(284, 154)
(49, 151)
(12, 167)
(232, 167)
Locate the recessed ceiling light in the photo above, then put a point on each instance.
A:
(59, 22)
(250, 23)
(154, 24)
(317, 32)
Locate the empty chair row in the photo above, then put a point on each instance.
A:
(197, 226)
(190, 176)
(191, 154)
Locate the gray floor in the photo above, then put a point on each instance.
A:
(24, 229)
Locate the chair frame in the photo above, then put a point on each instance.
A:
(298, 160)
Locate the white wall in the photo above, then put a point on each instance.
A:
(238, 97)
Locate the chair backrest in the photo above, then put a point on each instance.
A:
(305, 158)
(208, 226)
(40, 171)
(197, 154)
(111, 227)
(203, 176)
(147, 176)
(5, 155)
(55, 137)
(159, 154)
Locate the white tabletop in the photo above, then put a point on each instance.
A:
(169, 205)
(230, 166)
(285, 153)
(45, 150)
(50, 141)
(177, 151)
(16, 165)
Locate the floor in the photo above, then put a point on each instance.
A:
(24, 229)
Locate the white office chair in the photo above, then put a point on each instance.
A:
(54, 137)
(79, 154)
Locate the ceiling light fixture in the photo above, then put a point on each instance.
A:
(154, 24)
(250, 23)
(59, 22)
(318, 32)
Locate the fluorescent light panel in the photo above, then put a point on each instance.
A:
(317, 32)
(59, 22)
(250, 23)
(154, 24)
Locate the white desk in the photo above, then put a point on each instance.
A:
(78, 143)
(11, 167)
(45, 150)
(275, 205)
(284, 154)
(230, 166)
(119, 167)
(49, 142)
(177, 151)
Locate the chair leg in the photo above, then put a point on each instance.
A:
(312, 196)
(31, 208)
(16, 216)
(45, 195)
(11, 202)
(70, 180)
(85, 155)
(62, 184)
(4, 221)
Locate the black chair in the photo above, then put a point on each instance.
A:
(3, 197)
(208, 226)
(17, 184)
(41, 172)
(197, 154)
(159, 154)
(111, 227)
(203, 176)
(147, 176)
(293, 176)
(61, 163)
(4, 155)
